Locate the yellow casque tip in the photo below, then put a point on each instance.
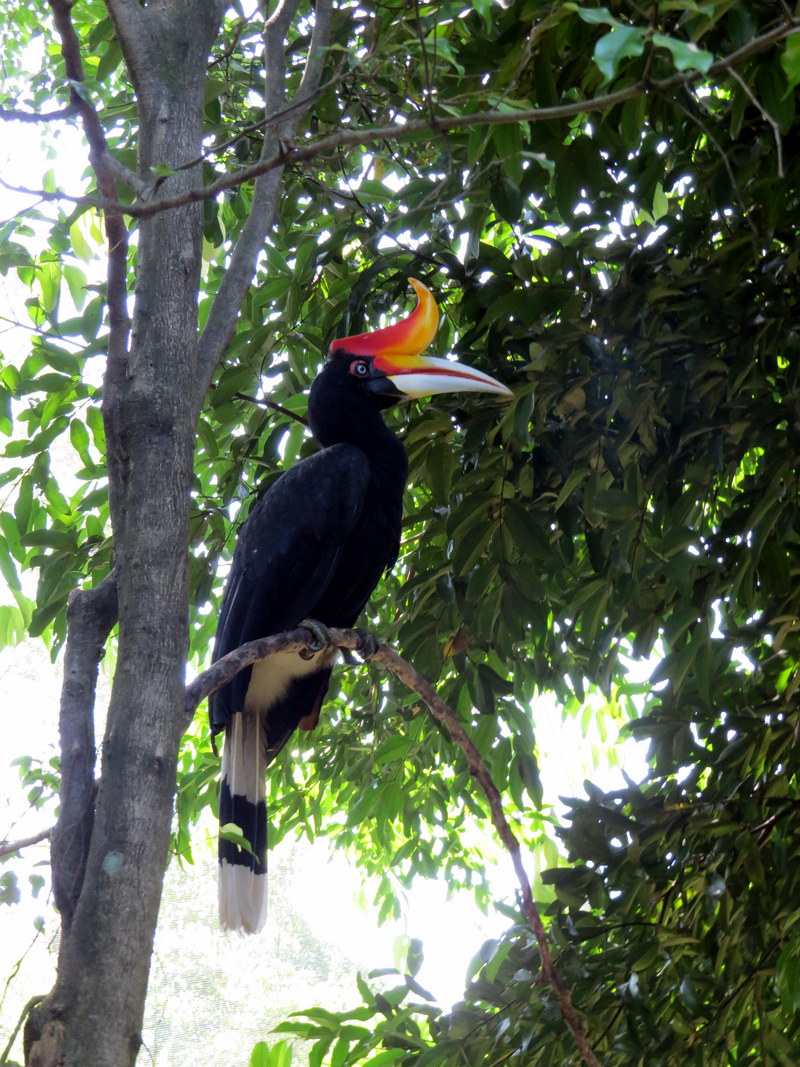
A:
(409, 337)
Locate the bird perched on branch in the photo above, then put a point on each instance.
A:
(314, 547)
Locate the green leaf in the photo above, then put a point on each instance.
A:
(9, 890)
(527, 533)
(61, 539)
(472, 546)
(76, 282)
(787, 976)
(621, 42)
(79, 437)
(595, 16)
(685, 54)
(414, 957)
(573, 482)
(790, 61)
(506, 199)
(260, 1056)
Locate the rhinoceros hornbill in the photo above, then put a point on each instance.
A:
(315, 546)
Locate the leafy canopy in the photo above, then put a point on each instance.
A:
(631, 270)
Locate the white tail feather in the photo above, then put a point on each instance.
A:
(242, 898)
(242, 891)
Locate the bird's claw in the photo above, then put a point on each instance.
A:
(367, 644)
(321, 635)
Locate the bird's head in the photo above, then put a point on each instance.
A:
(390, 364)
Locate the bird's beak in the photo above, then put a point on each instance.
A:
(396, 354)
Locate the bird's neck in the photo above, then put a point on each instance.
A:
(337, 415)
(385, 453)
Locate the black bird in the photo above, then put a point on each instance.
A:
(315, 546)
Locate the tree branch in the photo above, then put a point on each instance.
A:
(712, 140)
(15, 114)
(32, 1003)
(262, 124)
(8, 848)
(130, 21)
(294, 641)
(221, 321)
(91, 613)
(773, 122)
(106, 170)
(397, 131)
(265, 402)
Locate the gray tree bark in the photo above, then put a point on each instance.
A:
(110, 847)
(95, 1011)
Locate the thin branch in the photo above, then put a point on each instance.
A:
(317, 52)
(106, 167)
(265, 402)
(262, 124)
(91, 614)
(238, 277)
(428, 83)
(720, 1007)
(725, 162)
(42, 194)
(10, 847)
(764, 829)
(130, 21)
(226, 54)
(15, 114)
(773, 122)
(443, 123)
(293, 641)
(49, 334)
(32, 1003)
(107, 170)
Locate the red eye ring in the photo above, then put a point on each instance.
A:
(359, 368)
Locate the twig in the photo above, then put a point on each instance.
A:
(226, 53)
(265, 402)
(725, 162)
(15, 114)
(8, 848)
(293, 641)
(32, 1003)
(262, 124)
(773, 122)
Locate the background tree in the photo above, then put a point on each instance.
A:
(607, 200)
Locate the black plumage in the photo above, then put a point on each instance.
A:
(314, 546)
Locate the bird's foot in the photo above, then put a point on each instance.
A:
(365, 649)
(367, 644)
(321, 635)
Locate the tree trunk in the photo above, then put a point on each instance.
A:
(94, 1014)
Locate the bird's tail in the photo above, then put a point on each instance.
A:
(242, 801)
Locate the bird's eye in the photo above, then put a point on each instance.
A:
(360, 368)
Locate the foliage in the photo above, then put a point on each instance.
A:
(632, 272)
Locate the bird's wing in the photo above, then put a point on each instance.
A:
(285, 555)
